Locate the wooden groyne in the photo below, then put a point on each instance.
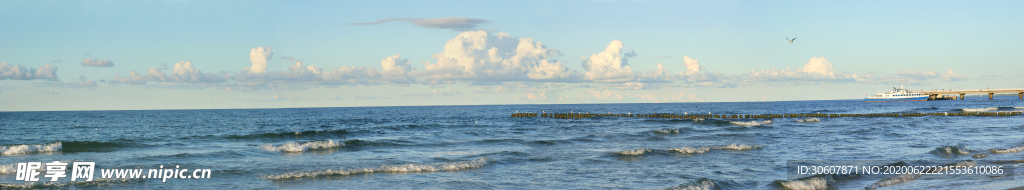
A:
(697, 116)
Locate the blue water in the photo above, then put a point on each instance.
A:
(482, 147)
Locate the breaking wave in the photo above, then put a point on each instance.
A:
(296, 147)
(736, 147)
(667, 131)
(808, 120)
(476, 163)
(808, 183)
(910, 177)
(67, 185)
(952, 150)
(700, 184)
(639, 151)
(1008, 150)
(29, 148)
(751, 123)
(688, 150)
(979, 109)
(6, 169)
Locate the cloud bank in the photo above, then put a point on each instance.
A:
(15, 72)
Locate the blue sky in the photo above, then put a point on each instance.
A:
(202, 54)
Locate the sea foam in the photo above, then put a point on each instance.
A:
(6, 169)
(700, 184)
(689, 150)
(296, 147)
(980, 109)
(736, 147)
(910, 177)
(1008, 150)
(806, 183)
(751, 123)
(808, 120)
(639, 151)
(29, 148)
(476, 163)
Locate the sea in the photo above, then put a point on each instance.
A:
(483, 147)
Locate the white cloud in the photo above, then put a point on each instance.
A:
(692, 66)
(396, 69)
(814, 71)
(132, 79)
(21, 73)
(452, 23)
(480, 56)
(259, 57)
(610, 65)
(97, 62)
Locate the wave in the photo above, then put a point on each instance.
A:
(700, 184)
(751, 123)
(808, 183)
(639, 151)
(296, 134)
(952, 150)
(296, 147)
(29, 148)
(6, 169)
(688, 150)
(736, 147)
(667, 131)
(809, 120)
(1008, 150)
(105, 182)
(910, 177)
(978, 109)
(476, 163)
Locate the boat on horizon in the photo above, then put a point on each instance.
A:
(897, 95)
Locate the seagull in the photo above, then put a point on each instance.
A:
(791, 41)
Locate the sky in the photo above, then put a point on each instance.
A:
(141, 55)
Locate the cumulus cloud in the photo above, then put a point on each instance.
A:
(84, 82)
(97, 63)
(610, 65)
(395, 68)
(452, 23)
(259, 57)
(14, 72)
(814, 71)
(132, 79)
(481, 56)
(692, 66)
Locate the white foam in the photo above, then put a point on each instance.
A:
(910, 177)
(688, 150)
(476, 163)
(956, 150)
(806, 184)
(736, 147)
(296, 147)
(667, 131)
(639, 151)
(29, 148)
(1008, 150)
(980, 109)
(751, 123)
(808, 120)
(6, 169)
(696, 185)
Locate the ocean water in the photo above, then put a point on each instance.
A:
(482, 147)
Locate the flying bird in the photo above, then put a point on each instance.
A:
(791, 41)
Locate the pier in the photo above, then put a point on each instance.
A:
(936, 93)
(701, 116)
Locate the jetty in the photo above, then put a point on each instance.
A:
(943, 93)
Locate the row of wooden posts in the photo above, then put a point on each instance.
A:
(693, 116)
